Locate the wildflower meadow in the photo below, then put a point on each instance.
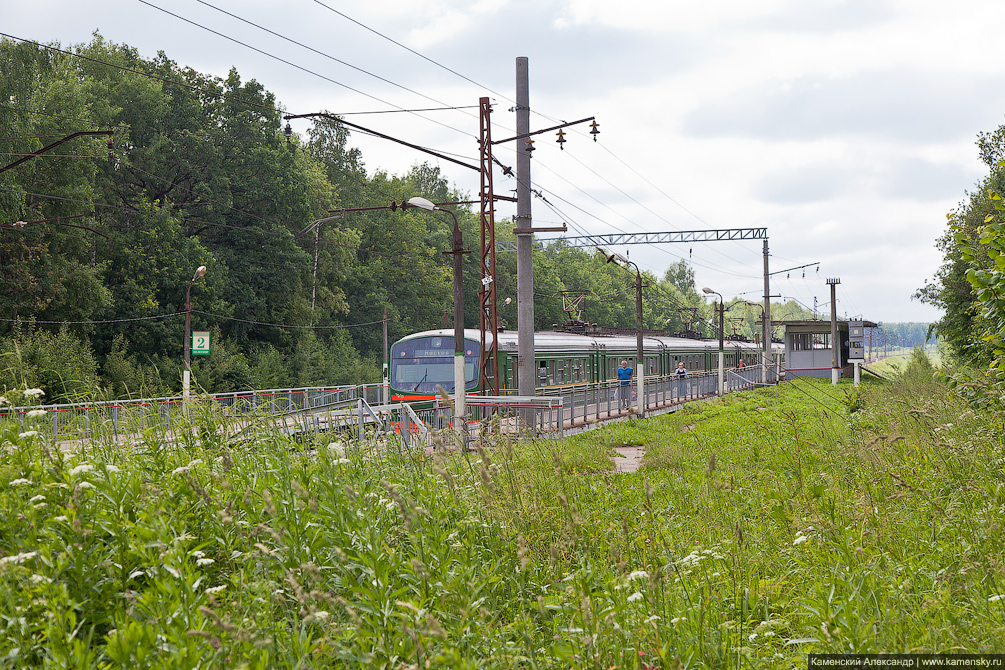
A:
(760, 527)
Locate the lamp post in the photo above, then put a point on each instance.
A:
(722, 354)
(640, 364)
(186, 379)
(460, 420)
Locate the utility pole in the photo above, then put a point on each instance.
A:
(524, 245)
(524, 230)
(767, 315)
(385, 373)
(640, 361)
(835, 349)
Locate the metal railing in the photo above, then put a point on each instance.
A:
(116, 417)
(548, 413)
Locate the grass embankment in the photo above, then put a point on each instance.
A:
(760, 528)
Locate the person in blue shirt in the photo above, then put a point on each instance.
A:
(625, 385)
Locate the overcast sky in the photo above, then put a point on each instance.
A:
(845, 127)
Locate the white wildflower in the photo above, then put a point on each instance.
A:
(28, 433)
(81, 469)
(178, 471)
(653, 618)
(21, 482)
(41, 505)
(17, 559)
(638, 574)
(198, 554)
(60, 519)
(343, 461)
(33, 393)
(635, 596)
(3, 400)
(321, 615)
(111, 469)
(752, 637)
(205, 561)
(390, 505)
(337, 448)
(216, 589)
(799, 539)
(40, 579)
(35, 413)
(676, 620)
(84, 486)
(994, 599)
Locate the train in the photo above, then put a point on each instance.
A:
(423, 363)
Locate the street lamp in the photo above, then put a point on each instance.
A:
(640, 365)
(186, 378)
(460, 421)
(722, 361)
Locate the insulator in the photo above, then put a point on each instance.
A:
(561, 139)
(594, 130)
(288, 131)
(530, 146)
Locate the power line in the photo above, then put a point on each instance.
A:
(283, 325)
(165, 80)
(294, 65)
(78, 323)
(413, 51)
(342, 62)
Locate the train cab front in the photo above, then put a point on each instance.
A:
(423, 365)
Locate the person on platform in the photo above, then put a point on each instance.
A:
(624, 385)
(681, 374)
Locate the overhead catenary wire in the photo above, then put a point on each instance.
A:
(646, 207)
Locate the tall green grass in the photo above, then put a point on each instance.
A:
(760, 527)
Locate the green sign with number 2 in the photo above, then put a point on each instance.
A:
(200, 343)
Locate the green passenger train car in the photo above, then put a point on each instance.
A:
(424, 362)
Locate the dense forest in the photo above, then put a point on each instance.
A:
(100, 238)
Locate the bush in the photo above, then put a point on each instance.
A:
(60, 364)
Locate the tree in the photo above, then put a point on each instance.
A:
(961, 326)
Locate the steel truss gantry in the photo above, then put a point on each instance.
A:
(671, 236)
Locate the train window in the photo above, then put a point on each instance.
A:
(551, 373)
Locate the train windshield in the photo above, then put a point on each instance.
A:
(423, 364)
